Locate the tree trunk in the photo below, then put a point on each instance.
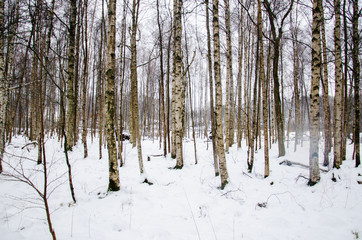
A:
(314, 174)
(34, 77)
(3, 84)
(122, 77)
(190, 96)
(296, 85)
(134, 85)
(338, 86)
(76, 78)
(39, 88)
(254, 120)
(218, 99)
(70, 80)
(277, 36)
(326, 108)
(229, 105)
(177, 97)
(240, 70)
(344, 84)
(265, 95)
(356, 76)
(211, 88)
(110, 103)
(277, 102)
(100, 83)
(161, 82)
(168, 92)
(85, 81)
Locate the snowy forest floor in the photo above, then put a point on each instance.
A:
(181, 204)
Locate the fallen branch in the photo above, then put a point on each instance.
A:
(290, 163)
(301, 176)
(247, 175)
(276, 195)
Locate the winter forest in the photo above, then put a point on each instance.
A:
(160, 119)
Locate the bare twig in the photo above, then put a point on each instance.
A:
(276, 195)
(193, 217)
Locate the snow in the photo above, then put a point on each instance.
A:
(181, 204)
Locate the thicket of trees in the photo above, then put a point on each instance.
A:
(233, 70)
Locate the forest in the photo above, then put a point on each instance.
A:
(160, 119)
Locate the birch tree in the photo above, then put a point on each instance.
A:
(134, 84)
(314, 174)
(277, 34)
(218, 99)
(240, 70)
(356, 76)
(110, 103)
(265, 96)
(338, 86)
(85, 80)
(212, 109)
(326, 108)
(229, 109)
(160, 38)
(70, 80)
(177, 79)
(3, 83)
(296, 84)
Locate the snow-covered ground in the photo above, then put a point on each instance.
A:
(181, 204)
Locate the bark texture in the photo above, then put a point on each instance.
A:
(239, 84)
(177, 96)
(134, 85)
(85, 82)
(338, 86)
(163, 118)
(70, 81)
(356, 76)
(326, 108)
(265, 96)
(314, 174)
(110, 103)
(229, 105)
(298, 133)
(212, 109)
(3, 84)
(218, 99)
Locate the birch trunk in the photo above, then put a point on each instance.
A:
(168, 92)
(356, 76)
(212, 109)
(296, 86)
(338, 86)
(110, 103)
(122, 76)
(70, 80)
(229, 105)
(314, 174)
(100, 88)
(265, 95)
(3, 84)
(326, 108)
(85, 81)
(134, 85)
(254, 119)
(344, 85)
(277, 36)
(240, 69)
(163, 120)
(177, 78)
(218, 99)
